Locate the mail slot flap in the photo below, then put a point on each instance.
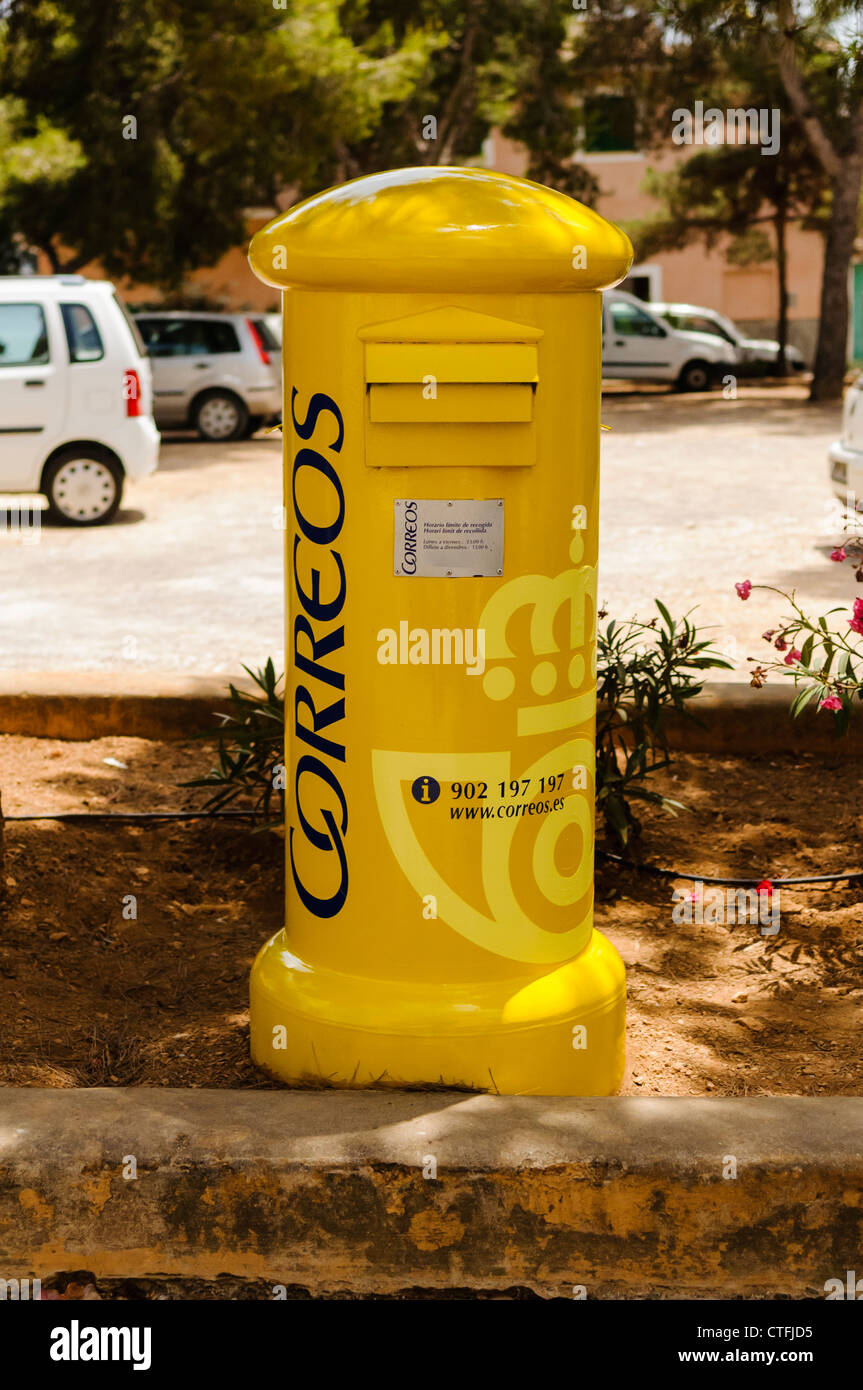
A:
(454, 362)
(451, 404)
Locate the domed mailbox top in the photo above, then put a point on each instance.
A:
(438, 229)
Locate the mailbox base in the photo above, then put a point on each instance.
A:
(560, 1034)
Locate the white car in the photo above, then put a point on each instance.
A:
(220, 374)
(638, 345)
(75, 396)
(755, 356)
(846, 455)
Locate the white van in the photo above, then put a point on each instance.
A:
(638, 345)
(76, 403)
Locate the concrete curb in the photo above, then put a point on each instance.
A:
(85, 704)
(735, 719)
(331, 1191)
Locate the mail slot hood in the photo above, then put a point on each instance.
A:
(450, 367)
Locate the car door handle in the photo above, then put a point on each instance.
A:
(34, 383)
(202, 366)
(619, 342)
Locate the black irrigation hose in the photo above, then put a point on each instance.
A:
(851, 876)
(81, 816)
(77, 816)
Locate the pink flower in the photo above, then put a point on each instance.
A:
(793, 656)
(744, 588)
(769, 635)
(856, 624)
(832, 702)
(838, 554)
(858, 608)
(780, 644)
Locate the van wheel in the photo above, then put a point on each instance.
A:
(84, 486)
(696, 376)
(220, 416)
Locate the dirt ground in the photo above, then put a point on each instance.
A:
(90, 996)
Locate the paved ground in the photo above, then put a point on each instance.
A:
(697, 492)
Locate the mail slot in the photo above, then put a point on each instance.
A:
(442, 368)
(450, 404)
(463, 362)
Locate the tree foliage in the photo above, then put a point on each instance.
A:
(168, 119)
(184, 115)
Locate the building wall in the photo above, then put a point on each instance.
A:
(749, 295)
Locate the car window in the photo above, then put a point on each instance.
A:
(82, 335)
(172, 337)
(699, 323)
(23, 336)
(188, 337)
(220, 336)
(149, 330)
(630, 321)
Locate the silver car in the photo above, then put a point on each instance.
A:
(219, 373)
(755, 356)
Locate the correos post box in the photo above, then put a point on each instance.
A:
(442, 360)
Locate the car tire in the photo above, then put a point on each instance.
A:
(83, 485)
(220, 416)
(696, 376)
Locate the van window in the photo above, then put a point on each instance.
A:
(131, 325)
(82, 335)
(699, 323)
(23, 336)
(631, 322)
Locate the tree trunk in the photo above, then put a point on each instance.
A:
(50, 251)
(779, 223)
(832, 352)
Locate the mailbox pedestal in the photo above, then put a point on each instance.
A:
(442, 362)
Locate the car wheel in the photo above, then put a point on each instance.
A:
(696, 376)
(220, 416)
(84, 486)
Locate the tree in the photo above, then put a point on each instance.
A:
(824, 81)
(820, 67)
(34, 168)
(735, 192)
(666, 54)
(488, 63)
(181, 116)
(549, 113)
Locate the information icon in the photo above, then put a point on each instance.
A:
(425, 790)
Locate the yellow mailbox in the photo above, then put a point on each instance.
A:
(442, 368)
